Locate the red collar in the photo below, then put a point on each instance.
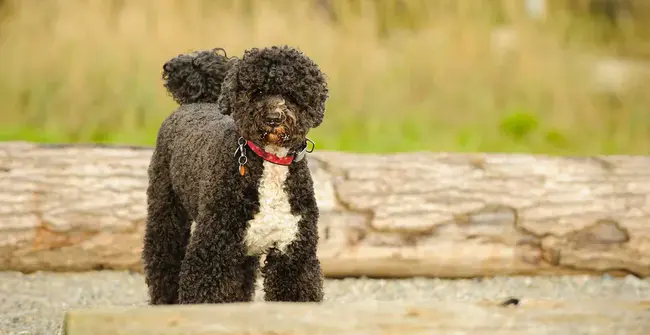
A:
(267, 156)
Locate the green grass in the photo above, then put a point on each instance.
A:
(420, 78)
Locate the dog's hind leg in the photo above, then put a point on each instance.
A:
(293, 276)
(166, 234)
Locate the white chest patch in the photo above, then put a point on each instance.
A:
(273, 225)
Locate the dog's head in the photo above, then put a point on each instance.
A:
(275, 95)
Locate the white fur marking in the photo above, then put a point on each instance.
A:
(273, 225)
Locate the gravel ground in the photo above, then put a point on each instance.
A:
(34, 304)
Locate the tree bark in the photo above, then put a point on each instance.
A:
(542, 317)
(82, 207)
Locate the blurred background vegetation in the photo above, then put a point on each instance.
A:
(442, 75)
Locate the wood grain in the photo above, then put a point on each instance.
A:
(82, 207)
(544, 317)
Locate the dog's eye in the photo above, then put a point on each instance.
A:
(291, 100)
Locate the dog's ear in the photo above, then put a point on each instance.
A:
(318, 113)
(229, 90)
(317, 116)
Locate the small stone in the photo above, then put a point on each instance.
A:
(510, 302)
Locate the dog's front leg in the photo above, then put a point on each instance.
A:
(216, 268)
(295, 275)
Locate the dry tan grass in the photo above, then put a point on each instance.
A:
(89, 70)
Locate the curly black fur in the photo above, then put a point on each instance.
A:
(194, 177)
(289, 74)
(196, 77)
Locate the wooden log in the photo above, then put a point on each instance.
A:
(82, 207)
(550, 317)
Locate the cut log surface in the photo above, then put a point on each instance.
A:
(82, 207)
(536, 318)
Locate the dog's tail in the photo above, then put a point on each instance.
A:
(196, 77)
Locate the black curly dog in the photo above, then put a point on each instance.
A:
(228, 182)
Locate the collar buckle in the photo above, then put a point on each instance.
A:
(300, 155)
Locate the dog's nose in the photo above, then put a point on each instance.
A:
(273, 117)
